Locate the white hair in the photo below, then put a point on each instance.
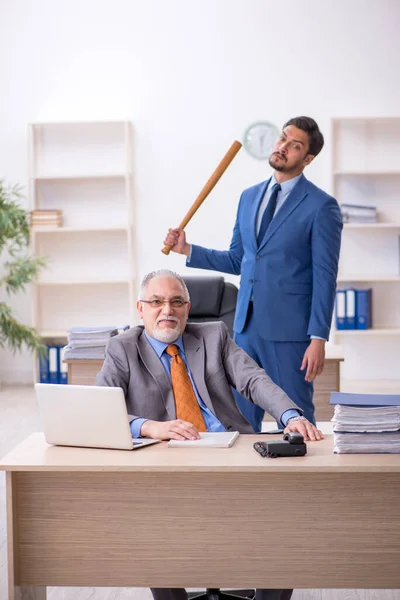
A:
(162, 273)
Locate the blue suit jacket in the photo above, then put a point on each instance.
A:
(292, 275)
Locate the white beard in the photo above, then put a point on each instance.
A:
(166, 335)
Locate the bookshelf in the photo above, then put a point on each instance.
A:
(83, 169)
(366, 171)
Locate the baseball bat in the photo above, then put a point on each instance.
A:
(215, 177)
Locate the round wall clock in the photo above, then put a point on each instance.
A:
(259, 139)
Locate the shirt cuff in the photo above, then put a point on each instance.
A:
(135, 426)
(190, 255)
(289, 414)
(316, 337)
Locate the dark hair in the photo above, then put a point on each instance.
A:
(315, 137)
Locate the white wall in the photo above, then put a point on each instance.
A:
(191, 76)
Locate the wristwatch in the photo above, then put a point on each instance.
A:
(299, 418)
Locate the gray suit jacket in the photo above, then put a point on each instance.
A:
(216, 364)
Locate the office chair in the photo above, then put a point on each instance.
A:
(212, 299)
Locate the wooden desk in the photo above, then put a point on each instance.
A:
(83, 372)
(170, 517)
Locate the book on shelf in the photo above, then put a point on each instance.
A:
(51, 217)
(357, 213)
(366, 423)
(353, 309)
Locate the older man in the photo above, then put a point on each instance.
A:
(177, 379)
(144, 362)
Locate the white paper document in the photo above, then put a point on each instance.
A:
(366, 418)
(367, 443)
(208, 439)
(366, 429)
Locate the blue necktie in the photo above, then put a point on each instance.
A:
(268, 213)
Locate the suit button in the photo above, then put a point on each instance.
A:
(258, 257)
(250, 280)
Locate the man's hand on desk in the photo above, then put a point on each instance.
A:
(169, 430)
(307, 429)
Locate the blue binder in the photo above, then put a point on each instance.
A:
(53, 364)
(62, 367)
(44, 367)
(351, 308)
(341, 322)
(364, 309)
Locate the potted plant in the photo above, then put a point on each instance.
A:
(17, 270)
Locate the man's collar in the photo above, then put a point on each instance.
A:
(159, 347)
(286, 186)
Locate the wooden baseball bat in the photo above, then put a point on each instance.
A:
(215, 177)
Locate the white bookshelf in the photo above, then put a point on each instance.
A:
(375, 331)
(372, 226)
(366, 171)
(368, 278)
(85, 170)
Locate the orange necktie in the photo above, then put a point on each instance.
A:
(187, 406)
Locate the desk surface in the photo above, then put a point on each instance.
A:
(173, 517)
(34, 454)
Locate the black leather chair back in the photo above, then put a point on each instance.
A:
(212, 299)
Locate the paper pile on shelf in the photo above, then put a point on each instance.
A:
(46, 218)
(366, 429)
(356, 213)
(90, 342)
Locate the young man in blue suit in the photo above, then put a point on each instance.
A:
(285, 246)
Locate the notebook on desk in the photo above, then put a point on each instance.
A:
(220, 439)
(86, 416)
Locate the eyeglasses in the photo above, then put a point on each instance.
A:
(176, 303)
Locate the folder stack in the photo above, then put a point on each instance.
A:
(366, 423)
(356, 213)
(90, 342)
(353, 309)
(51, 366)
(46, 218)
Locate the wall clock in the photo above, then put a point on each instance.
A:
(259, 139)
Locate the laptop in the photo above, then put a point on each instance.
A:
(86, 416)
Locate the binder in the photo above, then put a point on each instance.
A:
(62, 367)
(364, 309)
(53, 364)
(365, 399)
(351, 312)
(341, 309)
(44, 367)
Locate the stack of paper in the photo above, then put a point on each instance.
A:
(367, 443)
(366, 423)
(90, 342)
(356, 213)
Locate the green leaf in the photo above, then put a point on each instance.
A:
(14, 335)
(19, 270)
